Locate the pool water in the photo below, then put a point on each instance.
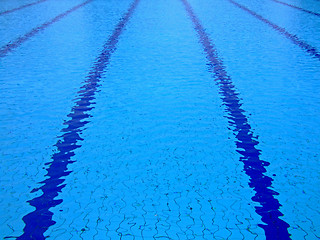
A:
(160, 119)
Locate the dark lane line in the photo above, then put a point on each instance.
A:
(254, 167)
(305, 46)
(38, 221)
(21, 7)
(298, 8)
(18, 41)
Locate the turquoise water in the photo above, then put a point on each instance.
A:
(158, 154)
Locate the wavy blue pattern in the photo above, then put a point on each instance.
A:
(254, 167)
(295, 39)
(38, 221)
(4, 50)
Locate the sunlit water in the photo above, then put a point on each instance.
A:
(156, 151)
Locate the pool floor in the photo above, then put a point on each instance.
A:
(160, 119)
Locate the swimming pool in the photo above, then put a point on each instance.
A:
(168, 119)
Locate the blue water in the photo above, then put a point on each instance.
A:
(160, 151)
